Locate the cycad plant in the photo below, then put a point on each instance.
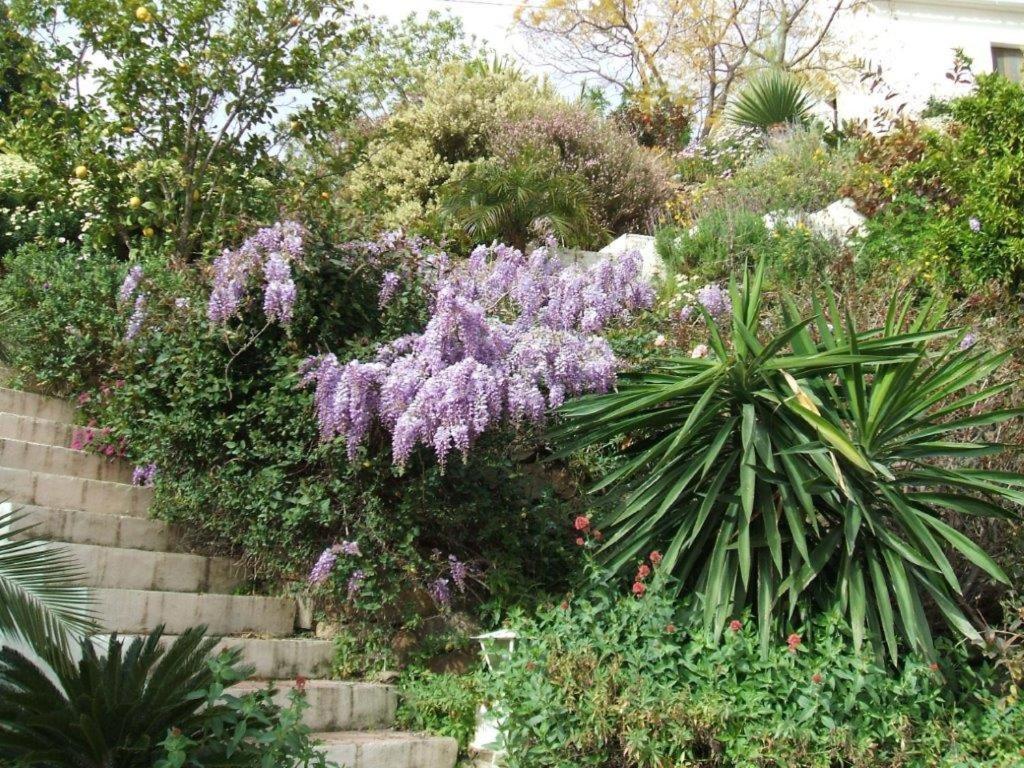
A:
(814, 466)
(41, 602)
(514, 201)
(771, 98)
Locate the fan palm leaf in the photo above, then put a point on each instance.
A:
(771, 98)
(41, 601)
(814, 466)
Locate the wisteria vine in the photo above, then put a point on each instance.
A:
(510, 336)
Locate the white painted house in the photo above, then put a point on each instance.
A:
(913, 42)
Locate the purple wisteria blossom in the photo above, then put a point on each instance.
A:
(459, 571)
(137, 319)
(440, 592)
(355, 583)
(510, 335)
(389, 284)
(271, 251)
(348, 548)
(322, 568)
(968, 341)
(144, 475)
(975, 224)
(715, 300)
(130, 285)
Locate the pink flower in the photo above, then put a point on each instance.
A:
(655, 557)
(735, 625)
(582, 523)
(793, 641)
(816, 678)
(639, 588)
(642, 572)
(579, 541)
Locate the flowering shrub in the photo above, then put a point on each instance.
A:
(609, 681)
(510, 336)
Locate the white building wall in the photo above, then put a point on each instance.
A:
(913, 42)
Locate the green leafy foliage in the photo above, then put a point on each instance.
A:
(41, 601)
(614, 682)
(809, 467)
(531, 196)
(769, 99)
(441, 703)
(144, 703)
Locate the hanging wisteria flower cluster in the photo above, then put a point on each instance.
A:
(271, 252)
(510, 335)
(129, 290)
(713, 298)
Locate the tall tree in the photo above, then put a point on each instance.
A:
(696, 49)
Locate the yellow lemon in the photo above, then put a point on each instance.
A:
(81, 171)
(142, 13)
(135, 202)
(148, 232)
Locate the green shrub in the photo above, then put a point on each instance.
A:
(771, 99)
(620, 682)
(803, 467)
(445, 704)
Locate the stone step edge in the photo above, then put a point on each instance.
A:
(111, 522)
(49, 478)
(115, 465)
(43, 402)
(377, 749)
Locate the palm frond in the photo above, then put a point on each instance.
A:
(808, 467)
(41, 600)
(771, 98)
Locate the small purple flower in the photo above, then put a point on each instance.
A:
(348, 548)
(968, 341)
(686, 313)
(130, 285)
(323, 567)
(715, 300)
(144, 475)
(388, 286)
(182, 302)
(975, 224)
(355, 583)
(459, 572)
(440, 592)
(138, 317)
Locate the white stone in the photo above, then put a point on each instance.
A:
(652, 265)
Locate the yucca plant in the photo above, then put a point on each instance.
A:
(771, 98)
(41, 600)
(512, 202)
(811, 467)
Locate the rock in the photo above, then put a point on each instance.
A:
(838, 222)
(644, 244)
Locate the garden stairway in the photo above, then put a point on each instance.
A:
(141, 578)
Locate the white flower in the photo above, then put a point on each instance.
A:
(701, 350)
(659, 340)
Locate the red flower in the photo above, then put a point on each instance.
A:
(565, 605)
(582, 523)
(639, 588)
(655, 557)
(671, 629)
(735, 625)
(300, 684)
(816, 678)
(793, 641)
(642, 572)
(579, 541)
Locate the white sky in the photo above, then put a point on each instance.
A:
(490, 21)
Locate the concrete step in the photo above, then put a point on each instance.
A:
(36, 406)
(38, 457)
(65, 492)
(101, 529)
(337, 705)
(34, 430)
(134, 612)
(117, 568)
(284, 658)
(388, 749)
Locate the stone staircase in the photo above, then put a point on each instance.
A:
(140, 580)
